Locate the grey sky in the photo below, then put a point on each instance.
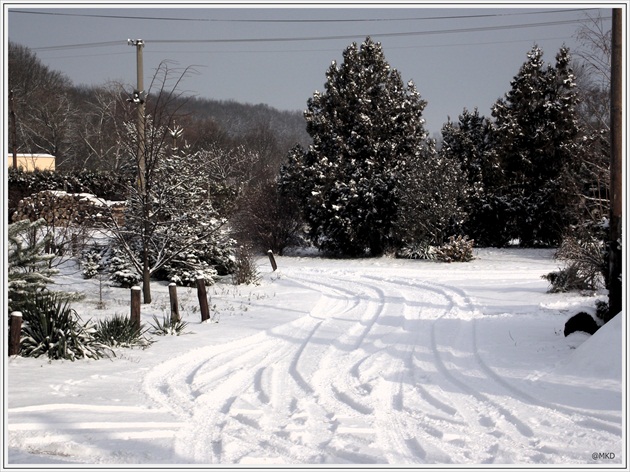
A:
(458, 57)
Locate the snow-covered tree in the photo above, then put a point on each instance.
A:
(172, 209)
(175, 223)
(430, 207)
(536, 142)
(469, 143)
(365, 127)
(29, 268)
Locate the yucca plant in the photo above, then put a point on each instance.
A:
(51, 327)
(168, 326)
(119, 331)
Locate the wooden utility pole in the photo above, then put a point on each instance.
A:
(138, 99)
(616, 155)
(13, 129)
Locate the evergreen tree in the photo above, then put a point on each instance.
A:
(430, 206)
(469, 143)
(365, 128)
(29, 268)
(536, 135)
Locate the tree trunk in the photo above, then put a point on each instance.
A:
(146, 281)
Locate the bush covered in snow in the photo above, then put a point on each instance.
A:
(585, 265)
(246, 271)
(187, 268)
(93, 262)
(121, 270)
(458, 249)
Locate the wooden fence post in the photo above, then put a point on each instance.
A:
(172, 292)
(15, 333)
(203, 299)
(274, 266)
(135, 307)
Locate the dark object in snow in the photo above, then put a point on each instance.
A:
(581, 322)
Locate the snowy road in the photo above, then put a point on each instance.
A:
(374, 361)
(385, 369)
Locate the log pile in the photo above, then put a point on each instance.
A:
(60, 208)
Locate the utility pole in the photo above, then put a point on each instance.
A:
(138, 99)
(13, 129)
(615, 288)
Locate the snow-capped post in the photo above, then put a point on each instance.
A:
(15, 332)
(274, 266)
(172, 292)
(203, 299)
(135, 307)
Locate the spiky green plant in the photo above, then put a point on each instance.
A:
(168, 326)
(52, 328)
(119, 331)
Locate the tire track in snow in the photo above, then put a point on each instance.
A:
(400, 440)
(597, 421)
(480, 412)
(208, 382)
(515, 403)
(373, 374)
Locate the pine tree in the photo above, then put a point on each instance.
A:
(536, 143)
(430, 207)
(365, 127)
(29, 268)
(469, 143)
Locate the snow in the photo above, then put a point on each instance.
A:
(337, 362)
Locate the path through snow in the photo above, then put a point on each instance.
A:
(385, 369)
(376, 361)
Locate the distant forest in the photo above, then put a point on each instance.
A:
(83, 126)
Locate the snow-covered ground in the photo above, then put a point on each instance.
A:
(372, 361)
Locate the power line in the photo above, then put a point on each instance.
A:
(304, 20)
(376, 35)
(301, 51)
(82, 45)
(317, 38)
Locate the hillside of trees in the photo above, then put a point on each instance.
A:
(81, 126)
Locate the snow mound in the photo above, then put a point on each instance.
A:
(600, 356)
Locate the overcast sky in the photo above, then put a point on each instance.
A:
(278, 55)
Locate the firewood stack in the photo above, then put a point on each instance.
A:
(60, 208)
